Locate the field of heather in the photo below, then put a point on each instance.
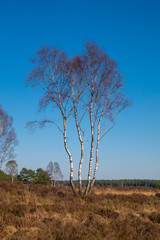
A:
(44, 212)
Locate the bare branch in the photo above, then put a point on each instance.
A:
(42, 124)
(106, 132)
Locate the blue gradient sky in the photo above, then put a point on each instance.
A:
(129, 31)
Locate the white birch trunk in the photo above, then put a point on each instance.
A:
(91, 154)
(82, 154)
(96, 164)
(69, 154)
(80, 168)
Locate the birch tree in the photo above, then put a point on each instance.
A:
(87, 89)
(57, 173)
(103, 98)
(50, 173)
(54, 172)
(12, 168)
(50, 73)
(8, 139)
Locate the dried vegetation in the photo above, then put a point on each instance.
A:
(44, 212)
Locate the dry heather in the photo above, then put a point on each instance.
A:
(43, 212)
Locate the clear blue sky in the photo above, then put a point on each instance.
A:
(129, 31)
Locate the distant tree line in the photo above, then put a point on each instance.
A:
(53, 176)
(120, 183)
(129, 183)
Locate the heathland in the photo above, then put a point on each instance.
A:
(36, 211)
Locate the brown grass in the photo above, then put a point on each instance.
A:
(43, 212)
(126, 190)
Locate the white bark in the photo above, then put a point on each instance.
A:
(91, 153)
(69, 154)
(80, 167)
(82, 154)
(75, 101)
(96, 164)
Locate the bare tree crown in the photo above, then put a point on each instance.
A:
(8, 139)
(12, 168)
(87, 87)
